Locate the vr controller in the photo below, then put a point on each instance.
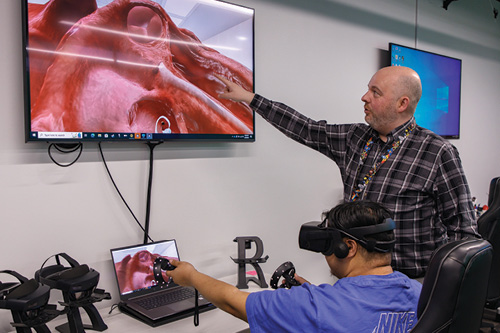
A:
(287, 271)
(162, 264)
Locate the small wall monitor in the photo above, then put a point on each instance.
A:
(439, 107)
(136, 70)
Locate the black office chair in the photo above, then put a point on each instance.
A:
(489, 228)
(454, 288)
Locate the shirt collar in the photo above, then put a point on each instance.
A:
(398, 131)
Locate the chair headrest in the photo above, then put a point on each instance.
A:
(455, 285)
(494, 194)
(487, 223)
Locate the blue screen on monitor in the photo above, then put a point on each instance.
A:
(439, 107)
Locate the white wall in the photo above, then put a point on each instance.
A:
(316, 56)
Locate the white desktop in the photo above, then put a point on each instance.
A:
(212, 321)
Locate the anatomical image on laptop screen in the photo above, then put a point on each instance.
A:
(134, 265)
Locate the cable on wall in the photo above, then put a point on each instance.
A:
(73, 147)
(146, 233)
(151, 146)
(65, 148)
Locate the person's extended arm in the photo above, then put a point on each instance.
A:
(223, 295)
(234, 92)
(327, 139)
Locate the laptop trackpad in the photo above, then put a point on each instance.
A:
(164, 310)
(180, 306)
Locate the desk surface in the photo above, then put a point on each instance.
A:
(211, 321)
(214, 320)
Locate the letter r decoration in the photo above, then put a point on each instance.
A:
(245, 243)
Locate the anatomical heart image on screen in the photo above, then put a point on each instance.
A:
(135, 272)
(138, 66)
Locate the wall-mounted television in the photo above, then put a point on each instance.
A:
(439, 107)
(117, 70)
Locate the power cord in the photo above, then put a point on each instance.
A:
(196, 318)
(65, 148)
(121, 196)
(152, 145)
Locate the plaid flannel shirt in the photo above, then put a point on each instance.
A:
(422, 182)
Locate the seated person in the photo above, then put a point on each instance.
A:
(368, 297)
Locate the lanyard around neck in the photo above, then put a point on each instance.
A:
(364, 154)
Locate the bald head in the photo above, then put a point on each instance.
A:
(405, 82)
(392, 97)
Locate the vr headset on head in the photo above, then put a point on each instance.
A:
(319, 237)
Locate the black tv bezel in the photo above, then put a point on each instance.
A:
(445, 136)
(149, 137)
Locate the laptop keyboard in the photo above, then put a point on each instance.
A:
(166, 298)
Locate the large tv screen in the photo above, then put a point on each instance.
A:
(439, 107)
(103, 70)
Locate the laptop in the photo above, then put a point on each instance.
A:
(146, 293)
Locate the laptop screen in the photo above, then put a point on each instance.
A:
(134, 267)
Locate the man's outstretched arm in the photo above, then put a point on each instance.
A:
(223, 295)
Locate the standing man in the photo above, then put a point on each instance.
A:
(368, 297)
(412, 171)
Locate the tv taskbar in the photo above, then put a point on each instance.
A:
(113, 136)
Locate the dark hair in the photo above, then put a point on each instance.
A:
(360, 213)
